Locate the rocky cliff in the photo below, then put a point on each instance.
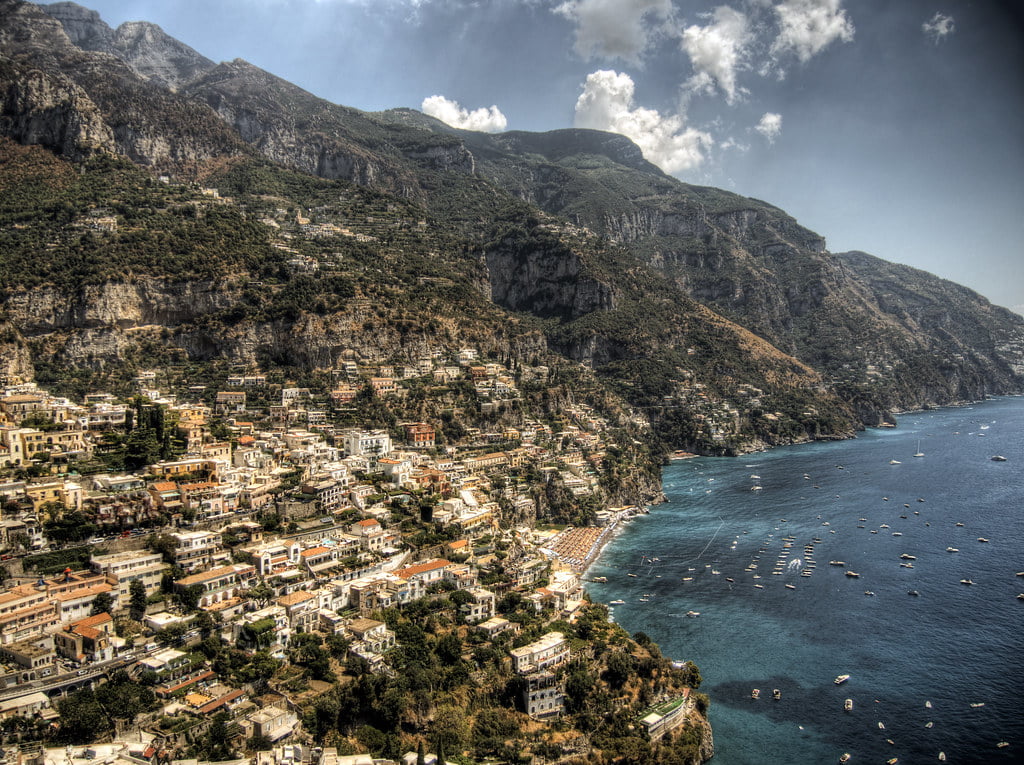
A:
(662, 287)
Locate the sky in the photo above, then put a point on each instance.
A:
(895, 127)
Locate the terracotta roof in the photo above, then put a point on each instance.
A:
(367, 522)
(422, 568)
(94, 621)
(165, 486)
(294, 598)
(215, 573)
(315, 551)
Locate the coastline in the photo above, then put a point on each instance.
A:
(568, 545)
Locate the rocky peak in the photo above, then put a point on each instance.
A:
(83, 26)
(149, 51)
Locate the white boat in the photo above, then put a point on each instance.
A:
(790, 586)
(905, 556)
(776, 694)
(837, 563)
(693, 613)
(853, 574)
(998, 458)
(895, 462)
(848, 705)
(929, 724)
(966, 581)
(845, 757)
(976, 704)
(881, 725)
(928, 705)
(616, 602)
(952, 549)
(755, 693)
(919, 453)
(841, 679)
(982, 539)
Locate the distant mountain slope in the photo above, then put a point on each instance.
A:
(669, 291)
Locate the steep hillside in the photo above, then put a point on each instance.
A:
(719, 315)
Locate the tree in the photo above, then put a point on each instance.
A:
(104, 602)
(137, 599)
(164, 544)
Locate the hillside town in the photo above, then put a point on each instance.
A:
(248, 517)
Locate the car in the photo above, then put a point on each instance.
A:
(81, 672)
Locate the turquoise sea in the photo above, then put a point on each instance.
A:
(952, 655)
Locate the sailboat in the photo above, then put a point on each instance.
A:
(919, 452)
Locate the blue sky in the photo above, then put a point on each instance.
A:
(890, 127)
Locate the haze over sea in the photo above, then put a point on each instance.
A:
(955, 645)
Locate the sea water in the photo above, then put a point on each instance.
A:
(951, 655)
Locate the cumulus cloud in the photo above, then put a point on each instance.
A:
(717, 52)
(938, 27)
(770, 126)
(614, 28)
(607, 103)
(487, 120)
(806, 27)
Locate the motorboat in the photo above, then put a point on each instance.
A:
(841, 679)
(776, 694)
(755, 693)
(848, 705)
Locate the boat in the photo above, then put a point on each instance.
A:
(632, 575)
(959, 525)
(915, 593)
(906, 565)
(966, 581)
(1020, 596)
(841, 679)
(929, 724)
(998, 458)
(845, 757)
(868, 592)
(895, 462)
(616, 602)
(601, 579)
(853, 574)
(881, 725)
(892, 761)
(919, 453)
(755, 693)
(837, 563)
(848, 705)
(928, 705)
(1002, 744)
(759, 586)
(693, 613)
(952, 549)
(942, 756)
(982, 539)
(976, 704)
(776, 694)
(904, 556)
(790, 586)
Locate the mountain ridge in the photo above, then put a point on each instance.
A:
(570, 227)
